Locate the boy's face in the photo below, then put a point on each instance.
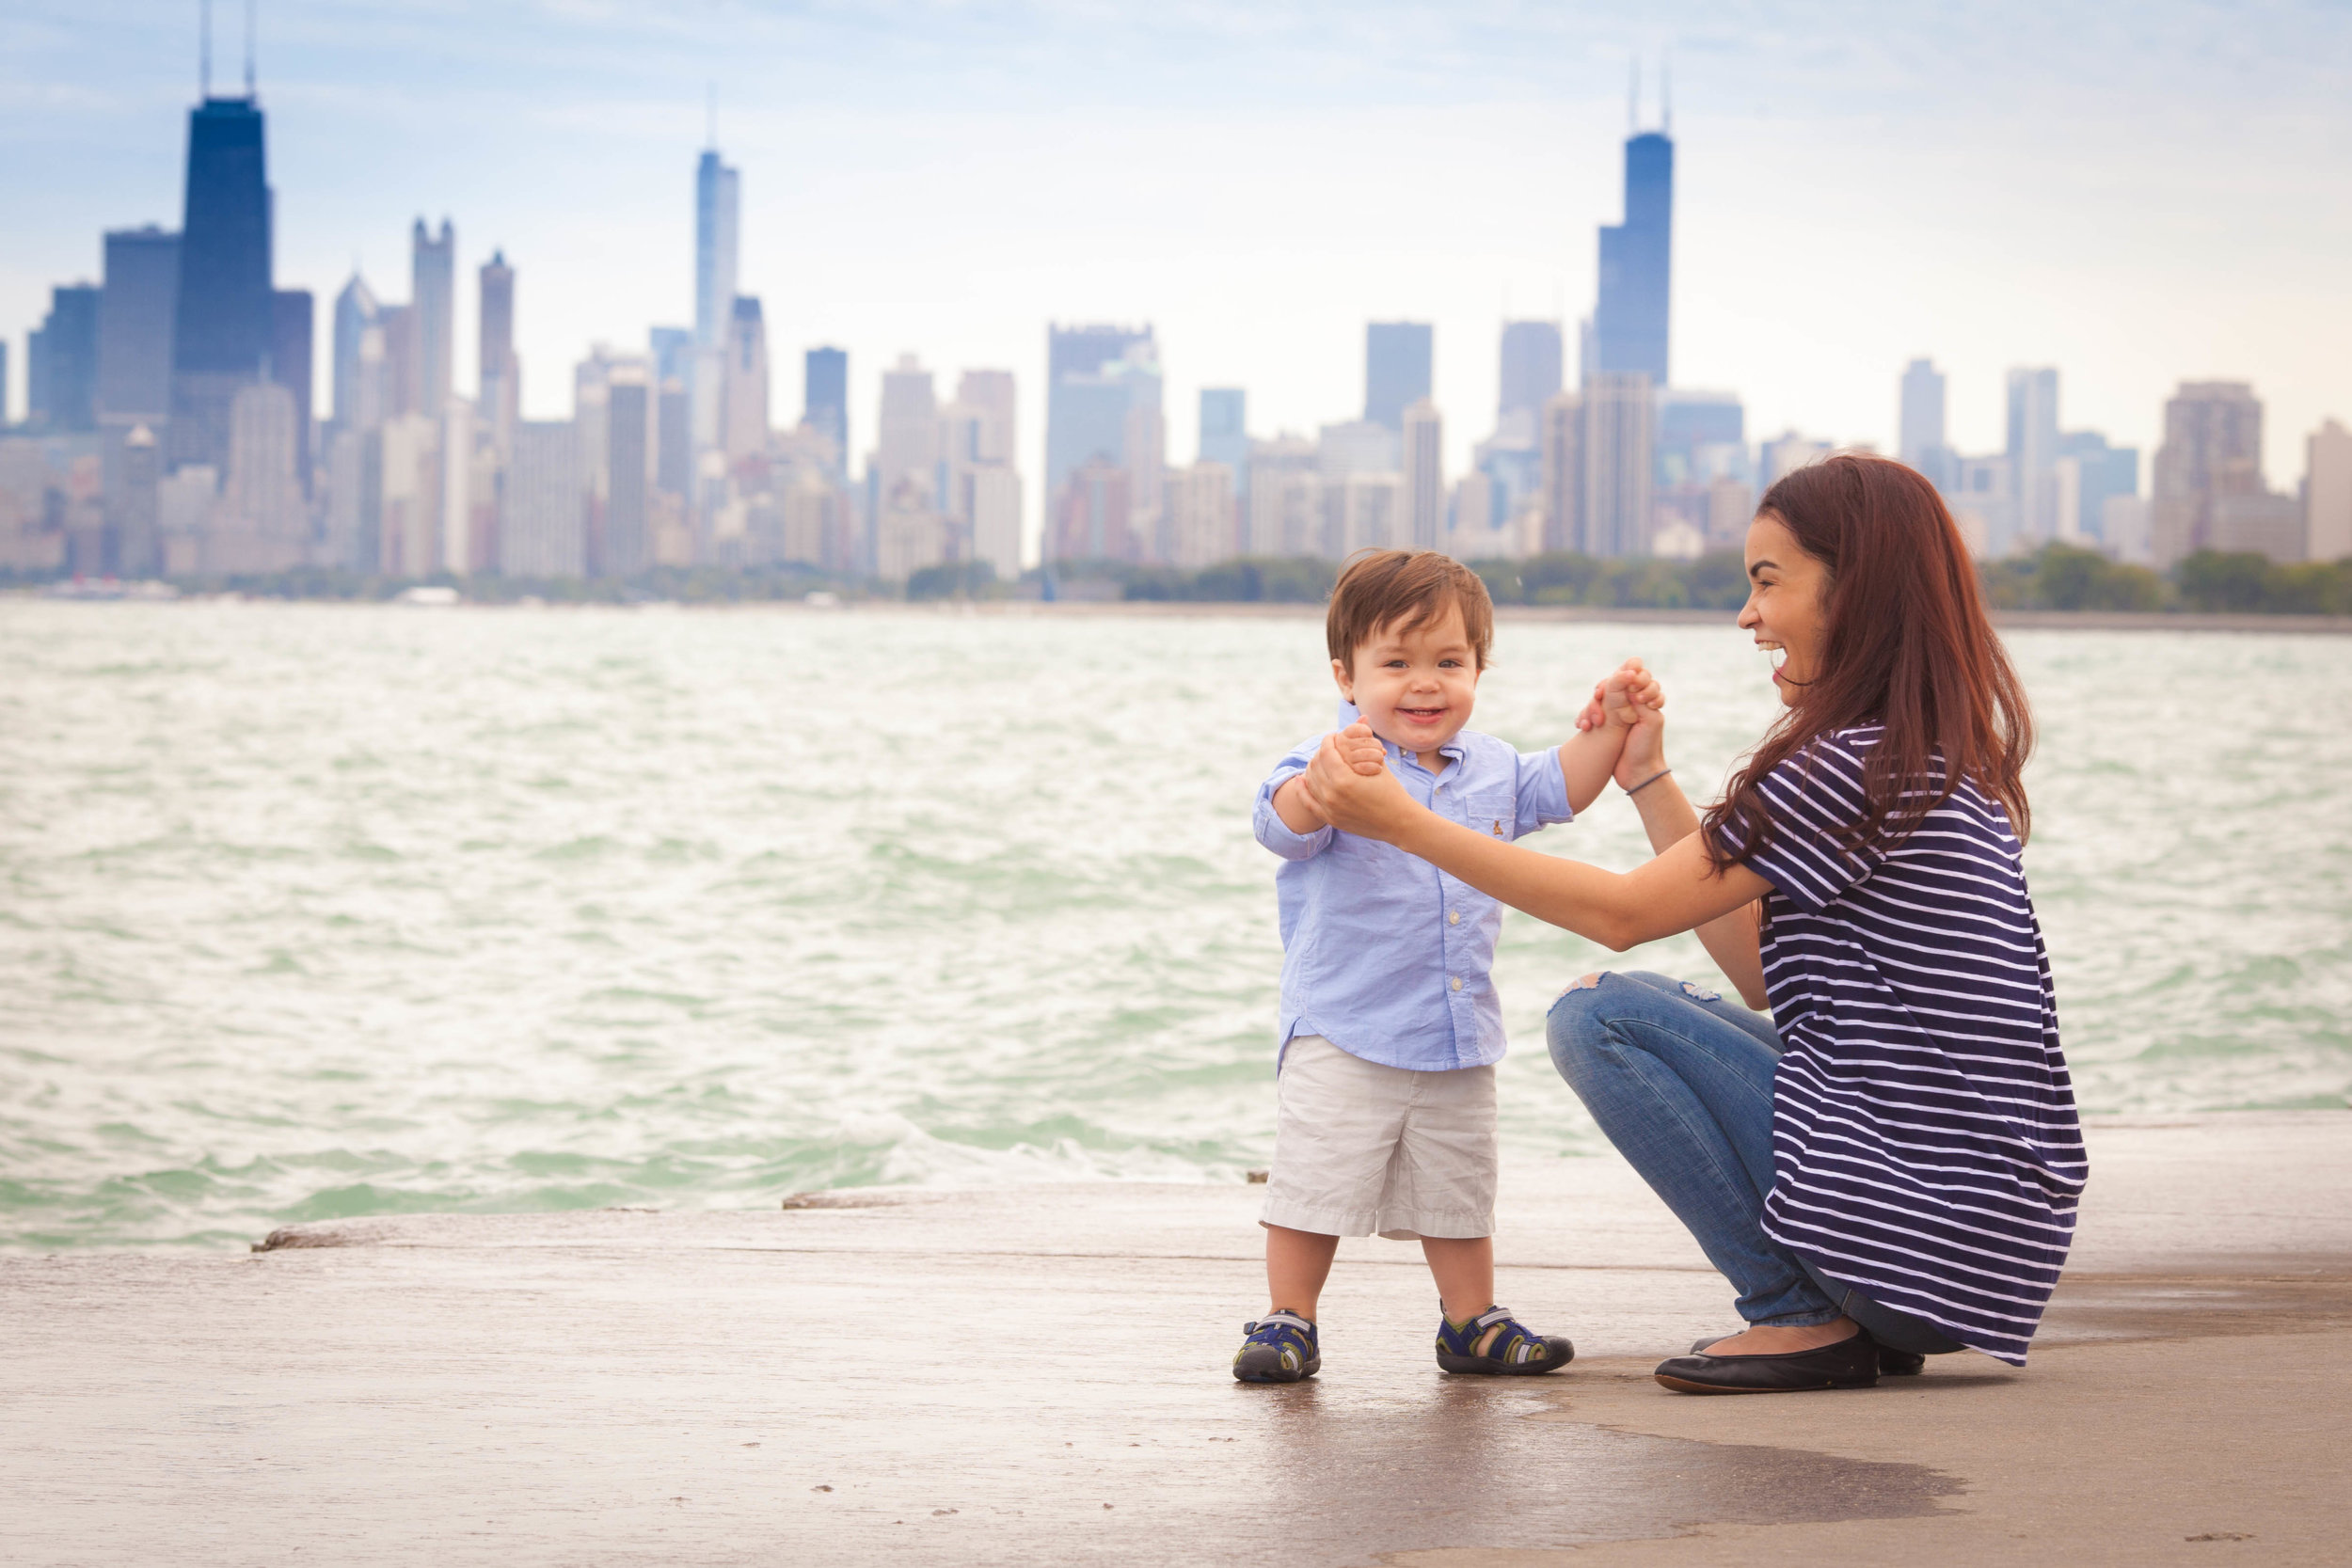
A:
(1414, 688)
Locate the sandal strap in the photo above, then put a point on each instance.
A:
(1516, 1345)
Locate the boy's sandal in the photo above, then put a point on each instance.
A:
(1281, 1348)
(1515, 1352)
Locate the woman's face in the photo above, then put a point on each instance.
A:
(1788, 605)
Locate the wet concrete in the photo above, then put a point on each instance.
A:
(1038, 1376)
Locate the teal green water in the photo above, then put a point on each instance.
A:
(321, 911)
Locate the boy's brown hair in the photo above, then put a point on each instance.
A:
(1405, 588)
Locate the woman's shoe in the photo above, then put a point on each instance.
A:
(1514, 1353)
(1281, 1348)
(1851, 1363)
(1892, 1362)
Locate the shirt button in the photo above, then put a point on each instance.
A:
(1453, 917)
(1458, 982)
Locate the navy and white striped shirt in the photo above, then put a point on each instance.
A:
(1926, 1150)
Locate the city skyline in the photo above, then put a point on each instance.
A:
(1526, 183)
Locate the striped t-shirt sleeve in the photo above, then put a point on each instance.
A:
(1812, 797)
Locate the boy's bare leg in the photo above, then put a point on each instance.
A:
(1296, 1264)
(1464, 1268)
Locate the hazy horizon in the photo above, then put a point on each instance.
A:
(2137, 198)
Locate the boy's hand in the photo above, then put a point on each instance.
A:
(1362, 749)
(1640, 686)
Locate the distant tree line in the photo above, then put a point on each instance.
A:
(2059, 578)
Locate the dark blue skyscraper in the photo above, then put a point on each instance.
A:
(825, 401)
(134, 325)
(1636, 264)
(223, 330)
(64, 361)
(1531, 366)
(1396, 370)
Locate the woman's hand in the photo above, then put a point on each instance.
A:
(1370, 804)
(1644, 755)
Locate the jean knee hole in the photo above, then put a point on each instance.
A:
(1697, 992)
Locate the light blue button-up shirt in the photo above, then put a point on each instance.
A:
(1383, 955)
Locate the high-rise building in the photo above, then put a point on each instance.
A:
(65, 359)
(1620, 435)
(1092, 523)
(403, 387)
(2090, 472)
(223, 319)
(433, 313)
(995, 520)
(1199, 504)
(359, 357)
(130, 504)
(1285, 510)
(745, 394)
(1921, 440)
(975, 446)
(1563, 439)
(907, 448)
(293, 314)
(1397, 369)
(673, 351)
(2327, 493)
(1423, 494)
(541, 525)
(717, 216)
(1702, 436)
(1225, 431)
(2033, 453)
(1630, 316)
(629, 466)
(825, 401)
(261, 527)
(4, 384)
(499, 382)
(2212, 442)
(135, 325)
(1094, 375)
(1531, 368)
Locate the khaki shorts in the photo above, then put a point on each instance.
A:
(1361, 1148)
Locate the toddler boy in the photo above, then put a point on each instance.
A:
(1390, 1026)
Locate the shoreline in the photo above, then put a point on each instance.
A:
(2014, 620)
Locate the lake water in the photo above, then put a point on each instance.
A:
(318, 911)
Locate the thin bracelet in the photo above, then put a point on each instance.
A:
(1651, 779)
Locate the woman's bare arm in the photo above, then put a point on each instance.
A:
(1733, 941)
(1678, 890)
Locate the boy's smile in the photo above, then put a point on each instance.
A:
(1415, 687)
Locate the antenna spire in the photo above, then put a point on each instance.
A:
(1666, 92)
(710, 116)
(248, 48)
(204, 49)
(1633, 95)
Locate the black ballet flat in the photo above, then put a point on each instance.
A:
(1851, 1363)
(1892, 1362)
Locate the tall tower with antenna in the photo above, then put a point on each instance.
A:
(716, 194)
(222, 330)
(1630, 319)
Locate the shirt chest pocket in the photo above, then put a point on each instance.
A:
(1492, 812)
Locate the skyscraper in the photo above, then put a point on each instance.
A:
(1921, 440)
(906, 450)
(1562, 435)
(1532, 368)
(2212, 442)
(134, 317)
(716, 194)
(1225, 430)
(1424, 476)
(2327, 493)
(292, 316)
(1396, 370)
(501, 375)
(825, 401)
(433, 313)
(745, 399)
(222, 322)
(628, 455)
(65, 359)
(1619, 439)
(2032, 452)
(359, 368)
(2091, 471)
(1097, 376)
(1630, 318)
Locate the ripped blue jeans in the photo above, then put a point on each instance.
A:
(1682, 1081)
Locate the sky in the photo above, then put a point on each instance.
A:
(2136, 194)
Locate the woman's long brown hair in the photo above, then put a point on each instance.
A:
(1908, 645)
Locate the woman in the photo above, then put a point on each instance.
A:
(1889, 1168)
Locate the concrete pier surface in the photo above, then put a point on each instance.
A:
(1038, 1376)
